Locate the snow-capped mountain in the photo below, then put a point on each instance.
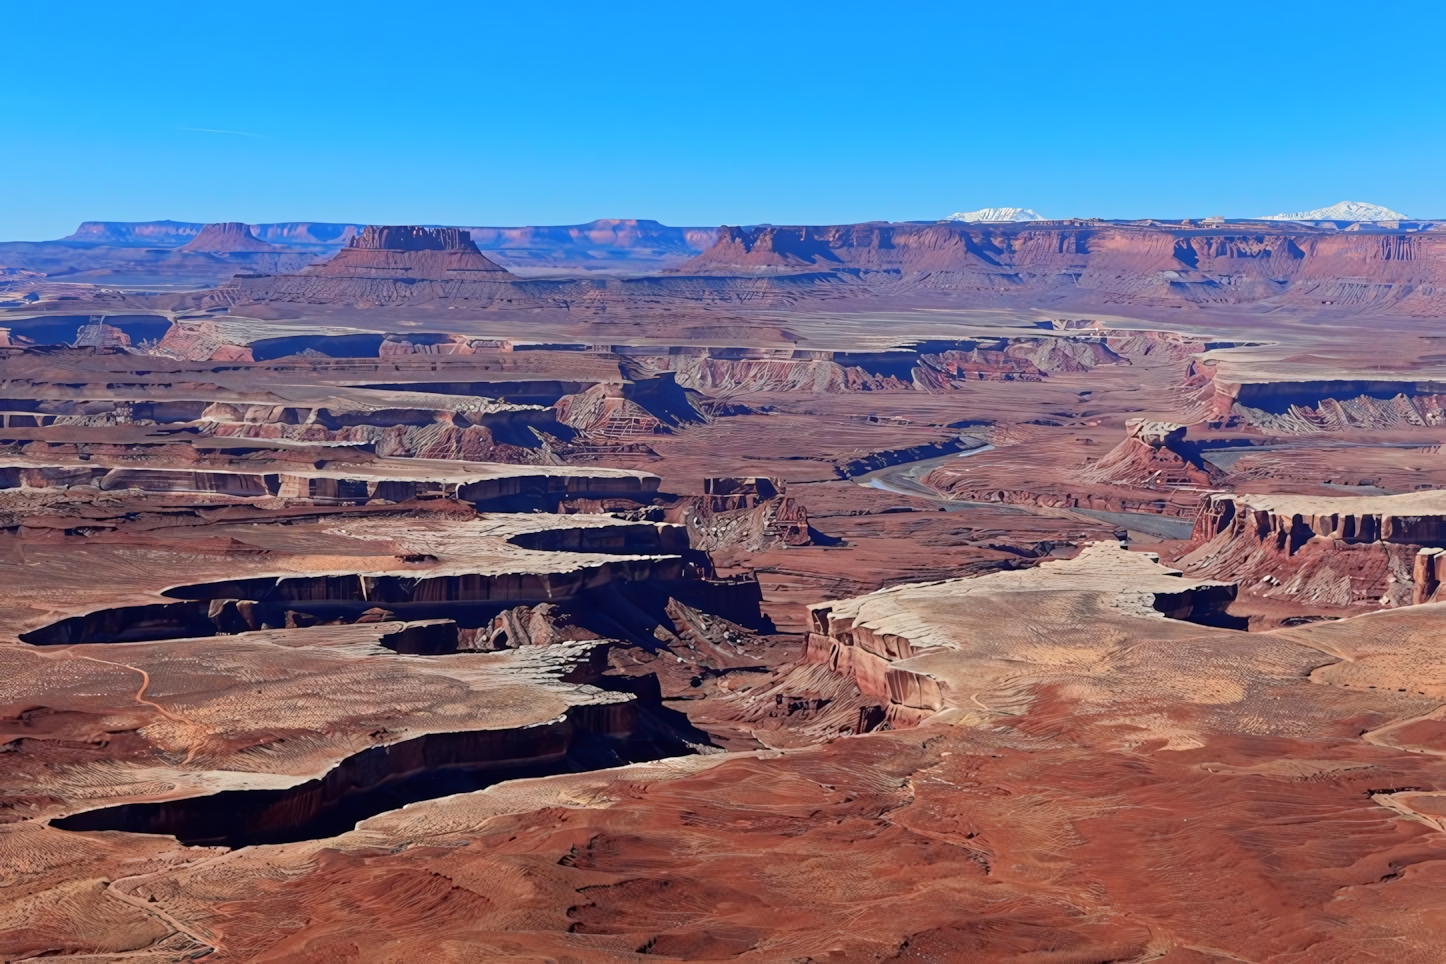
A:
(1344, 211)
(998, 214)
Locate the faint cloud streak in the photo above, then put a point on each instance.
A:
(212, 130)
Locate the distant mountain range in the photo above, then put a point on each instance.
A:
(1344, 211)
(997, 215)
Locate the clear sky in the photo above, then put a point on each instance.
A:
(700, 114)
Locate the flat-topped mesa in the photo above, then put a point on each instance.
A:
(1154, 454)
(1394, 265)
(409, 237)
(226, 238)
(1294, 397)
(1289, 521)
(924, 648)
(1337, 551)
(410, 253)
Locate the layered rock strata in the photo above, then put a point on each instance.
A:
(631, 409)
(410, 253)
(1153, 455)
(926, 366)
(747, 513)
(1289, 396)
(259, 474)
(1400, 266)
(1333, 551)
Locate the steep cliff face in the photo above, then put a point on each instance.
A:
(409, 237)
(1236, 264)
(1327, 551)
(1285, 398)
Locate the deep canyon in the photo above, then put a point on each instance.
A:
(1051, 591)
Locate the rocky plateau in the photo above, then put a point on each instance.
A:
(1024, 591)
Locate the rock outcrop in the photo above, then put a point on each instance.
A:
(631, 409)
(1153, 455)
(407, 252)
(749, 514)
(385, 264)
(923, 648)
(227, 238)
(1327, 551)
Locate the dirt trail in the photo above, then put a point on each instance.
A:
(140, 697)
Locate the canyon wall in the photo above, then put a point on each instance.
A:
(1293, 403)
(1330, 551)
(1240, 263)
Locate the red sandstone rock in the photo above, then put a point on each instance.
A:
(226, 238)
(408, 253)
(1154, 455)
(1144, 262)
(1335, 551)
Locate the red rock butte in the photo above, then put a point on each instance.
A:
(412, 253)
(225, 238)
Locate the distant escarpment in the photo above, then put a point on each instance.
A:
(608, 244)
(169, 234)
(371, 277)
(1374, 268)
(1364, 267)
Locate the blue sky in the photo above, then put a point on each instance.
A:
(557, 113)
